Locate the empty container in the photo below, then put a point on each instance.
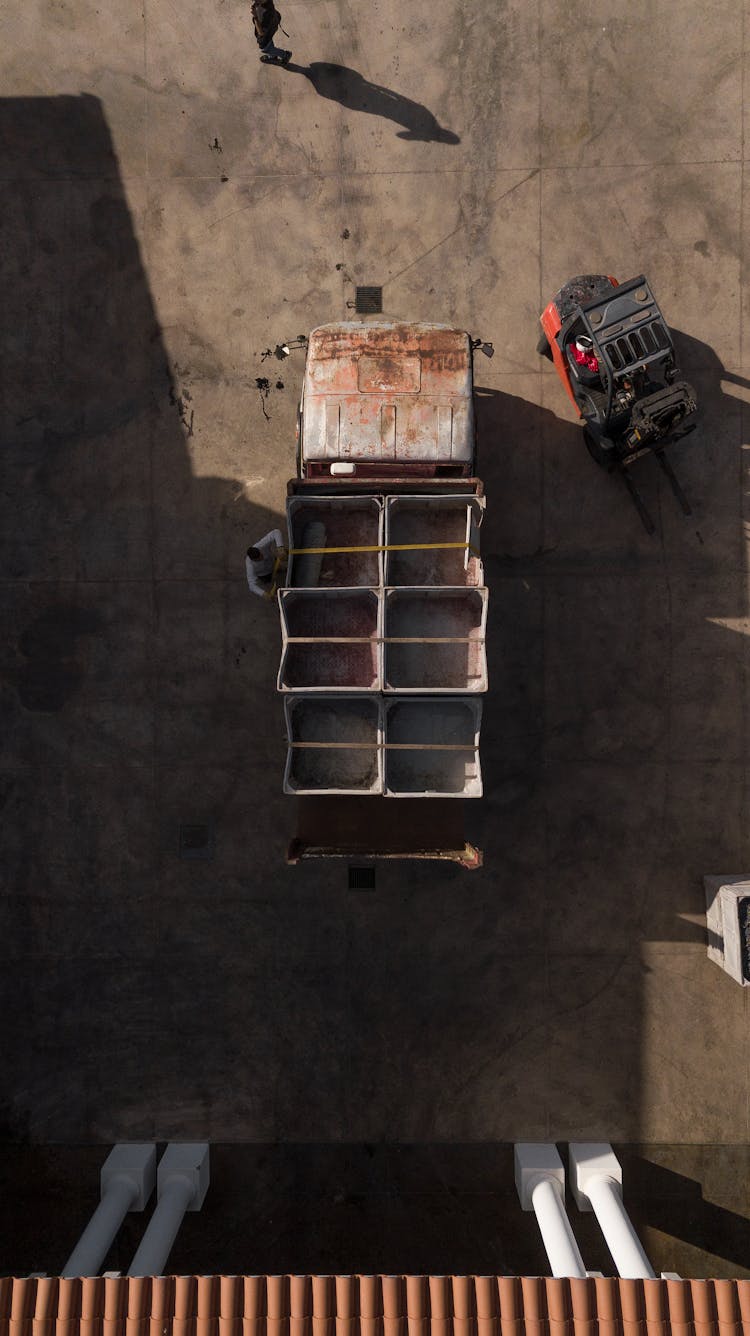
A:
(324, 614)
(433, 520)
(348, 757)
(432, 748)
(435, 640)
(347, 521)
(330, 640)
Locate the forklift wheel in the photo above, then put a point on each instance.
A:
(543, 348)
(602, 456)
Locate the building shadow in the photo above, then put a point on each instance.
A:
(125, 670)
(350, 89)
(672, 1203)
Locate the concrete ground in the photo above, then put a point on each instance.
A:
(171, 210)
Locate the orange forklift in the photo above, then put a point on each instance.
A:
(614, 354)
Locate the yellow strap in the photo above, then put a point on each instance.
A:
(282, 553)
(381, 547)
(279, 561)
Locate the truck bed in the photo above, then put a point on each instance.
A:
(369, 828)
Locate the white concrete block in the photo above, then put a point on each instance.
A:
(135, 1161)
(587, 1159)
(186, 1160)
(723, 896)
(535, 1159)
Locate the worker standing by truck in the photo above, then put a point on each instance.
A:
(260, 561)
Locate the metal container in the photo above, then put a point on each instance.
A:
(430, 520)
(330, 640)
(335, 745)
(435, 640)
(432, 747)
(348, 521)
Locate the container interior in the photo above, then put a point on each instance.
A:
(333, 720)
(321, 664)
(312, 658)
(336, 521)
(429, 520)
(343, 770)
(416, 773)
(436, 614)
(340, 769)
(421, 666)
(329, 612)
(430, 725)
(435, 723)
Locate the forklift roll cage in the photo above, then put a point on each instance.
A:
(628, 334)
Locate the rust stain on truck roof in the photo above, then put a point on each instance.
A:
(389, 391)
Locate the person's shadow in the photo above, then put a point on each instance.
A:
(350, 89)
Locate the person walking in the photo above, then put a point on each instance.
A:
(266, 21)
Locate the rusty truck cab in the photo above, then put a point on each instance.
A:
(387, 400)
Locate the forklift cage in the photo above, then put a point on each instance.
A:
(627, 330)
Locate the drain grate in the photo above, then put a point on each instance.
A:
(196, 840)
(361, 879)
(368, 301)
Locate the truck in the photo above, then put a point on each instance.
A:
(382, 602)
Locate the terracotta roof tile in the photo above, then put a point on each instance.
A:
(727, 1307)
(372, 1306)
(439, 1289)
(743, 1297)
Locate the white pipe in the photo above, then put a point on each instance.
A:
(97, 1238)
(558, 1238)
(156, 1244)
(605, 1196)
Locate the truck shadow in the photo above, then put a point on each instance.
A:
(616, 671)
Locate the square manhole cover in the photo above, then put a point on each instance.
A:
(196, 839)
(368, 301)
(361, 879)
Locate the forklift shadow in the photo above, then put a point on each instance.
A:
(550, 497)
(720, 390)
(699, 359)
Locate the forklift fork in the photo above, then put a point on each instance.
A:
(638, 501)
(667, 469)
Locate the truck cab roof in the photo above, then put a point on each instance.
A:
(388, 393)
